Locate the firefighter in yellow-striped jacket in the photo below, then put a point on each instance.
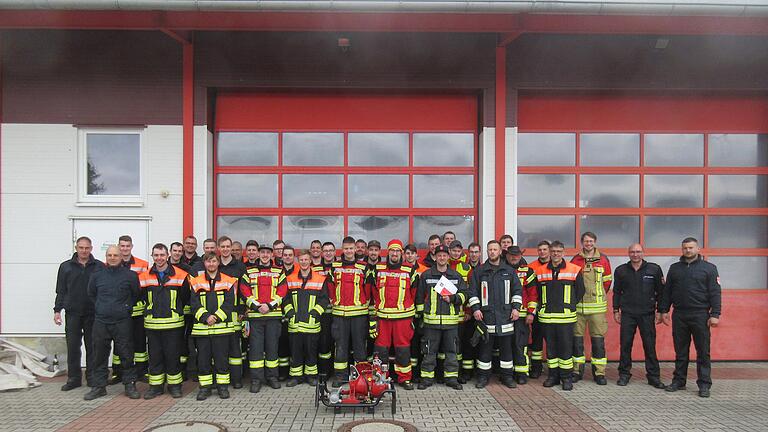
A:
(164, 289)
(303, 308)
(441, 314)
(212, 302)
(561, 287)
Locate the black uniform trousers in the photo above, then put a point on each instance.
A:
(325, 343)
(164, 347)
(262, 348)
(685, 325)
(78, 328)
(466, 330)
(646, 324)
(537, 341)
(121, 333)
(213, 349)
(235, 359)
(520, 348)
(304, 353)
(188, 349)
(443, 341)
(559, 338)
(506, 357)
(283, 352)
(344, 330)
(139, 342)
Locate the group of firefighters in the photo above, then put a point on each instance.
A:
(296, 315)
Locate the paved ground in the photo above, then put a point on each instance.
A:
(739, 402)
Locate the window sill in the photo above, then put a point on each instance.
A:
(110, 204)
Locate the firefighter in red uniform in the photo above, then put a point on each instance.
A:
(393, 295)
(213, 303)
(349, 298)
(590, 312)
(303, 307)
(263, 287)
(325, 342)
(138, 266)
(537, 331)
(165, 290)
(527, 313)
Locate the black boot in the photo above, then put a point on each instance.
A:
(174, 390)
(536, 368)
(255, 386)
(553, 378)
(275, 384)
(508, 381)
(425, 383)
(292, 382)
(567, 384)
(223, 391)
(482, 381)
(131, 392)
(203, 393)
(522, 378)
(153, 392)
(453, 383)
(70, 385)
(96, 392)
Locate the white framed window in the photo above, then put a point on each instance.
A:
(110, 166)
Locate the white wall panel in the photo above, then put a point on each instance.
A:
(203, 184)
(510, 192)
(38, 197)
(487, 186)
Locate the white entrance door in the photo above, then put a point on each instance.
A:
(104, 232)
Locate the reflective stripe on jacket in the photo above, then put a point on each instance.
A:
(560, 289)
(213, 297)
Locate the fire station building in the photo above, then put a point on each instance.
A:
(310, 120)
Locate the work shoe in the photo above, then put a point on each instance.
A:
(454, 384)
(425, 384)
(131, 392)
(508, 381)
(96, 392)
(153, 392)
(407, 384)
(600, 380)
(536, 369)
(292, 382)
(522, 379)
(567, 384)
(70, 385)
(203, 393)
(175, 390)
(238, 384)
(704, 392)
(481, 382)
(312, 380)
(552, 381)
(464, 377)
(623, 380)
(275, 384)
(223, 391)
(255, 386)
(115, 379)
(656, 383)
(675, 386)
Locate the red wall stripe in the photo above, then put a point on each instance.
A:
(349, 111)
(647, 112)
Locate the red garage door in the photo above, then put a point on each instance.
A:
(324, 165)
(656, 169)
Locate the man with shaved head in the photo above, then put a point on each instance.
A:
(113, 291)
(637, 288)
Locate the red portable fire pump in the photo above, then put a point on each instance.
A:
(368, 383)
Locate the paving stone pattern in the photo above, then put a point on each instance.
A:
(739, 402)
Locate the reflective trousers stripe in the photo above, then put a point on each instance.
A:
(174, 379)
(222, 378)
(205, 380)
(483, 365)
